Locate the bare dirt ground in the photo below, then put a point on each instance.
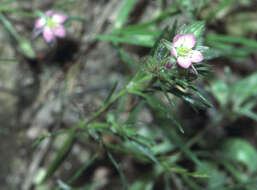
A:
(36, 96)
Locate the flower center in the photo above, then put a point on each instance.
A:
(50, 23)
(183, 51)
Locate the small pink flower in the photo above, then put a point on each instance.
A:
(182, 50)
(51, 25)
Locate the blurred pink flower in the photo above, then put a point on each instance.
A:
(182, 50)
(51, 25)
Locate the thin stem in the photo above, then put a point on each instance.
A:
(16, 11)
(106, 106)
(9, 27)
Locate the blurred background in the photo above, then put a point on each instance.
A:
(46, 89)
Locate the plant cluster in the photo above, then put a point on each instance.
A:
(170, 75)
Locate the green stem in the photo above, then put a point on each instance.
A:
(115, 98)
(24, 45)
(10, 28)
(16, 11)
(60, 156)
(106, 106)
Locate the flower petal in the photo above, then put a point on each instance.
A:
(50, 13)
(59, 18)
(59, 31)
(173, 51)
(184, 62)
(177, 42)
(195, 56)
(189, 41)
(185, 40)
(39, 23)
(48, 34)
(177, 37)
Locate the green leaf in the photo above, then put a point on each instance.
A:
(40, 139)
(158, 46)
(154, 33)
(144, 150)
(82, 169)
(116, 165)
(232, 39)
(124, 13)
(191, 183)
(142, 184)
(244, 89)
(163, 147)
(202, 97)
(135, 112)
(212, 53)
(60, 156)
(139, 40)
(164, 15)
(219, 8)
(26, 48)
(111, 92)
(197, 29)
(220, 90)
(248, 113)
(170, 102)
(224, 45)
(126, 58)
(174, 137)
(159, 107)
(241, 151)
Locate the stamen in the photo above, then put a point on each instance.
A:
(50, 23)
(182, 51)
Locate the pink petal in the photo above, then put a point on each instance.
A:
(184, 62)
(175, 42)
(59, 31)
(185, 40)
(59, 18)
(189, 41)
(196, 56)
(39, 23)
(177, 37)
(173, 51)
(49, 13)
(48, 34)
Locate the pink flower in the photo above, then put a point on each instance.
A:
(51, 25)
(182, 50)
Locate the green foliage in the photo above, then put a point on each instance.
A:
(240, 151)
(60, 156)
(124, 13)
(221, 6)
(24, 45)
(226, 46)
(143, 34)
(241, 95)
(82, 169)
(196, 28)
(164, 143)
